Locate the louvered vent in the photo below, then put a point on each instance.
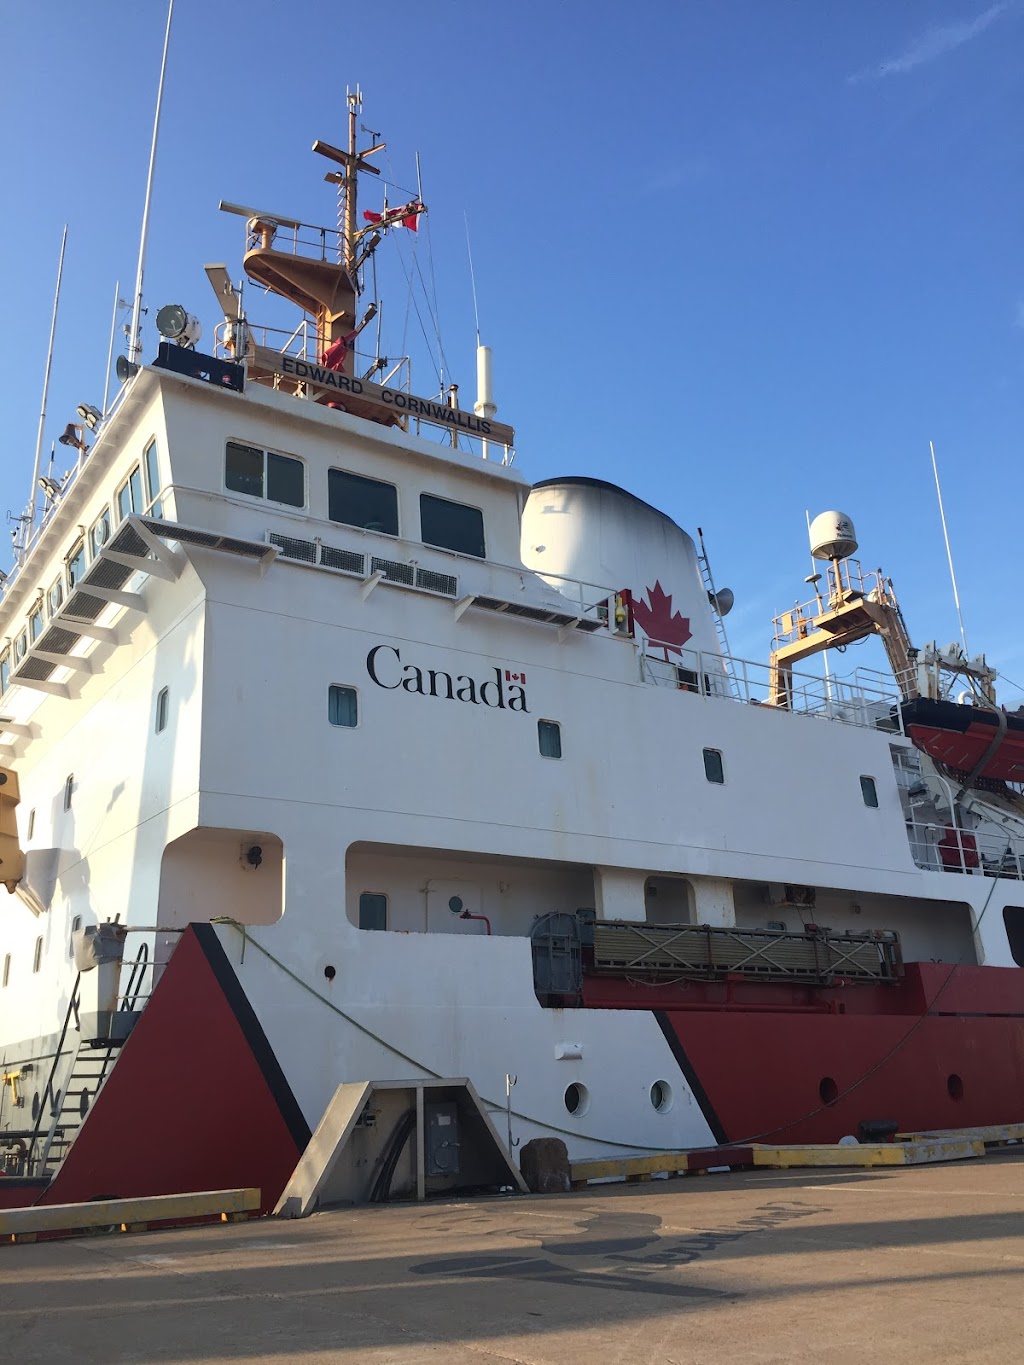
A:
(84, 606)
(58, 641)
(432, 581)
(127, 541)
(292, 548)
(346, 560)
(105, 574)
(394, 571)
(37, 670)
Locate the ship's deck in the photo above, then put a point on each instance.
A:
(906, 1263)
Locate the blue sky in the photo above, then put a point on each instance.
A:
(744, 258)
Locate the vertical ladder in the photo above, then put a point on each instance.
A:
(709, 584)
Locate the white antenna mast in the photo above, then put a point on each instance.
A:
(33, 495)
(110, 348)
(135, 338)
(949, 552)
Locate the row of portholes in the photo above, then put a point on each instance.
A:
(828, 1090)
(577, 1098)
(83, 1104)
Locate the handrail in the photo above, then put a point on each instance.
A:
(136, 978)
(48, 1092)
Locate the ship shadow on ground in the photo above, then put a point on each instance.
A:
(333, 1283)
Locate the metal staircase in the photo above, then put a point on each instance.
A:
(89, 1070)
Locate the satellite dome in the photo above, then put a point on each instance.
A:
(832, 536)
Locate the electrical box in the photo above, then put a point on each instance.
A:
(441, 1145)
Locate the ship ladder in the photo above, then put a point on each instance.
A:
(709, 585)
(89, 1070)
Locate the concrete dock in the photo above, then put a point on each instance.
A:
(901, 1263)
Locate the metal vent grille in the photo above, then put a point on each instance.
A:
(84, 606)
(37, 670)
(520, 609)
(127, 541)
(58, 641)
(105, 574)
(211, 540)
(293, 548)
(394, 571)
(346, 560)
(437, 582)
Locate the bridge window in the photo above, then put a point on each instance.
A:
(869, 792)
(100, 533)
(76, 564)
(714, 769)
(373, 910)
(5, 672)
(264, 474)
(549, 739)
(369, 504)
(129, 495)
(35, 623)
(452, 525)
(56, 597)
(343, 707)
(152, 464)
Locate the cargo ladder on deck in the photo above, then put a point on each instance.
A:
(709, 585)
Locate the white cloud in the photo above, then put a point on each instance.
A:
(933, 43)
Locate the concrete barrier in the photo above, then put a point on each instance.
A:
(130, 1215)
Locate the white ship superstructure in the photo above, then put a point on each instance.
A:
(456, 767)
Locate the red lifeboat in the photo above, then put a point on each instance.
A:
(959, 737)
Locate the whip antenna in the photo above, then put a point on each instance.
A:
(949, 552)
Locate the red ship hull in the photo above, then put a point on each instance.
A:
(943, 1048)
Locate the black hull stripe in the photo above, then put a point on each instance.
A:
(251, 1027)
(692, 1079)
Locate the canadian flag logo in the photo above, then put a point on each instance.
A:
(511, 677)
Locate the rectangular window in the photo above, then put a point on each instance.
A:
(149, 458)
(7, 968)
(76, 565)
(129, 495)
(69, 787)
(259, 473)
(452, 525)
(373, 910)
(342, 707)
(713, 769)
(286, 480)
(367, 503)
(549, 737)
(31, 822)
(37, 960)
(35, 624)
(162, 698)
(76, 924)
(869, 792)
(100, 533)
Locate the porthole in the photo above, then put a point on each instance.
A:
(456, 904)
(35, 1106)
(955, 1086)
(330, 972)
(577, 1099)
(661, 1096)
(828, 1090)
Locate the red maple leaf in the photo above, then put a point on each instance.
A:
(660, 623)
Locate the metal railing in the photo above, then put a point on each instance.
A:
(866, 699)
(947, 848)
